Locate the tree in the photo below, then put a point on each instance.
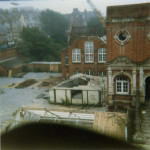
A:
(94, 22)
(37, 46)
(54, 25)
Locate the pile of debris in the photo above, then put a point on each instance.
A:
(26, 83)
(50, 82)
(92, 80)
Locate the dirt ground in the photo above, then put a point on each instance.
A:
(47, 83)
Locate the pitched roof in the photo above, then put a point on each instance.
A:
(11, 62)
(76, 32)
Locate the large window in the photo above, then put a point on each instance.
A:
(89, 51)
(76, 55)
(122, 85)
(102, 55)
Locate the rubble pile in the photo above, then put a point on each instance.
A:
(26, 83)
(49, 82)
(92, 80)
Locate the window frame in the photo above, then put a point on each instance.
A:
(102, 73)
(89, 72)
(89, 51)
(67, 58)
(124, 84)
(77, 71)
(76, 53)
(102, 54)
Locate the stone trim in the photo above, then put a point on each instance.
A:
(116, 37)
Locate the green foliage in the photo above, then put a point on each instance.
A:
(65, 102)
(54, 25)
(37, 46)
(94, 22)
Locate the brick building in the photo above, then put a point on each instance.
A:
(128, 54)
(85, 54)
(10, 62)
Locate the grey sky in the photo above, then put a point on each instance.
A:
(66, 6)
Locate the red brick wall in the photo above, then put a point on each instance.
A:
(137, 49)
(65, 68)
(82, 66)
(8, 53)
(127, 11)
(122, 97)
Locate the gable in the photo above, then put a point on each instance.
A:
(121, 62)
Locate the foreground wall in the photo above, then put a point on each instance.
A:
(86, 95)
(111, 124)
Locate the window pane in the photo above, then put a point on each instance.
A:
(118, 86)
(66, 60)
(89, 49)
(125, 87)
(102, 55)
(76, 55)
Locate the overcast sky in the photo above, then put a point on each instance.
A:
(66, 6)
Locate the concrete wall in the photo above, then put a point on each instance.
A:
(44, 67)
(90, 96)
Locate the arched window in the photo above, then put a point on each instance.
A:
(102, 55)
(89, 51)
(122, 85)
(76, 55)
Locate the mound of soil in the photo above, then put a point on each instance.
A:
(51, 81)
(26, 83)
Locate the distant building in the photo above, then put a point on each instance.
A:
(10, 63)
(77, 18)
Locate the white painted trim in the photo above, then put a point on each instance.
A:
(122, 73)
(147, 75)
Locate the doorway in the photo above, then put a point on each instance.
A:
(147, 89)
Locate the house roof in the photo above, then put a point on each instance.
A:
(76, 32)
(44, 62)
(11, 62)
